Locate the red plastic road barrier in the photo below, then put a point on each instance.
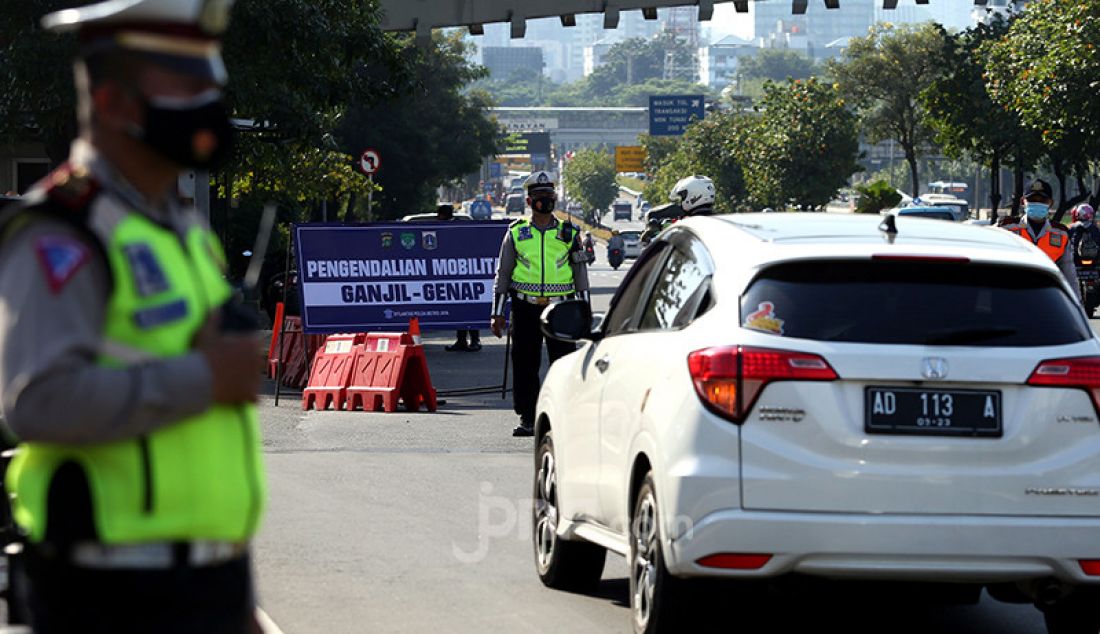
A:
(330, 372)
(275, 330)
(390, 367)
(288, 345)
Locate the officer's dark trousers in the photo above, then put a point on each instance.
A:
(214, 599)
(527, 356)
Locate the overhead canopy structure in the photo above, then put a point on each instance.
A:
(424, 15)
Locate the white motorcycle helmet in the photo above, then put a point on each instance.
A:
(693, 192)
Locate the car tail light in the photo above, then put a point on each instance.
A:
(1090, 567)
(728, 379)
(1078, 372)
(734, 561)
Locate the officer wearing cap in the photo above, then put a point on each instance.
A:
(138, 482)
(1036, 228)
(541, 262)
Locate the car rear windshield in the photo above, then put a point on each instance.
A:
(912, 302)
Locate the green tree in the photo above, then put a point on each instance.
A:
(37, 99)
(590, 178)
(776, 64)
(876, 196)
(801, 148)
(637, 60)
(967, 121)
(431, 135)
(707, 148)
(883, 75)
(1044, 68)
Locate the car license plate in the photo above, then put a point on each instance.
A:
(929, 412)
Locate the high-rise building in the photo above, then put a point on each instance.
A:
(718, 62)
(504, 62)
(770, 23)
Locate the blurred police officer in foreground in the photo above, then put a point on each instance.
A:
(1035, 227)
(138, 481)
(541, 262)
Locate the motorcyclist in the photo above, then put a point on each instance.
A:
(691, 196)
(1083, 231)
(616, 241)
(589, 246)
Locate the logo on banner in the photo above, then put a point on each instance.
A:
(408, 240)
(387, 240)
(428, 240)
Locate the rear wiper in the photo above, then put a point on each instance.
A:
(967, 335)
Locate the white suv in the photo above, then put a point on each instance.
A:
(809, 394)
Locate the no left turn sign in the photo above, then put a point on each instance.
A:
(370, 161)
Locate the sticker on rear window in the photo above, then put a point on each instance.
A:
(764, 319)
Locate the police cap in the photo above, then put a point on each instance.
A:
(1039, 187)
(541, 181)
(183, 35)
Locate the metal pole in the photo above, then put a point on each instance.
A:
(282, 327)
(370, 198)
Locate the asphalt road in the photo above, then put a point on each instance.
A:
(420, 523)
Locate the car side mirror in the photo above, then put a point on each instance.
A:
(570, 321)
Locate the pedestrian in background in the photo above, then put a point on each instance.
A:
(465, 340)
(541, 262)
(139, 479)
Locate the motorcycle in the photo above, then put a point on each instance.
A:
(615, 258)
(1088, 279)
(590, 253)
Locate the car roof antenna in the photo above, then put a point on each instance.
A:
(889, 227)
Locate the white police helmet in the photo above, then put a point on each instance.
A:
(181, 34)
(541, 181)
(693, 192)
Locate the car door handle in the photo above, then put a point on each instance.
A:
(602, 364)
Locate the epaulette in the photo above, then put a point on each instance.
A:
(71, 187)
(516, 222)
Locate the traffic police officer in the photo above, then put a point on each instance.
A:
(138, 481)
(541, 262)
(1036, 228)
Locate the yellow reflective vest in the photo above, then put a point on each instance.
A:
(542, 266)
(200, 478)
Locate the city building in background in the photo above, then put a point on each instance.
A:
(718, 62)
(505, 62)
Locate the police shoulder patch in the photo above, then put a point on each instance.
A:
(61, 258)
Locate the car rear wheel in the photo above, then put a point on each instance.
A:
(657, 599)
(1076, 613)
(566, 565)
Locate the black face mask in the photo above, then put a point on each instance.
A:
(543, 204)
(193, 133)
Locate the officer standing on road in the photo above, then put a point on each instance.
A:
(541, 262)
(1037, 229)
(139, 480)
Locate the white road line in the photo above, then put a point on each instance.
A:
(266, 624)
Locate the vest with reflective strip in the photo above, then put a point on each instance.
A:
(1054, 242)
(200, 478)
(542, 260)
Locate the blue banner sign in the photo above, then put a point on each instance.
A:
(376, 277)
(670, 115)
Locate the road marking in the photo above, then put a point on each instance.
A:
(266, 624)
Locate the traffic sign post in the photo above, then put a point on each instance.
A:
(670, 115)
(629, 158)
(370, 161)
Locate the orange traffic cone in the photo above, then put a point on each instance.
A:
(414, 330)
